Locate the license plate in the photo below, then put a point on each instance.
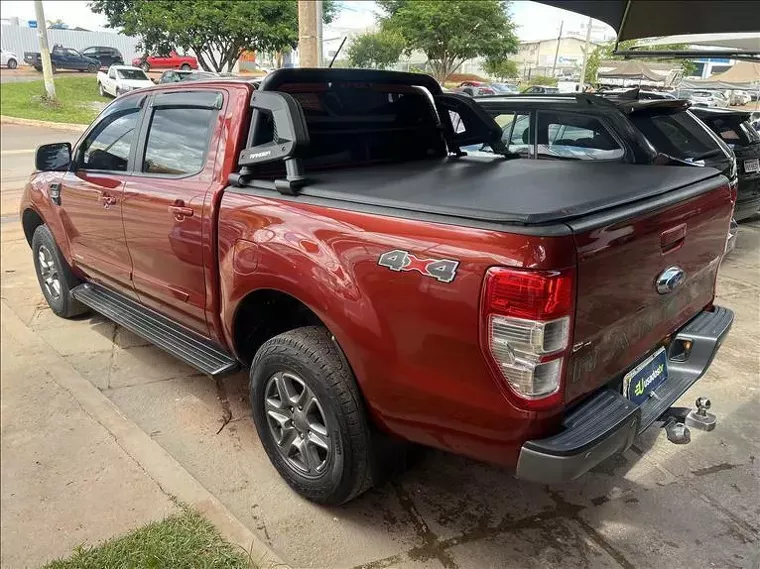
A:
(752, 165)
(642, 380)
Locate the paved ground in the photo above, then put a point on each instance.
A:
(658, 505)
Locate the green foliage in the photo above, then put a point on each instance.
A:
(453, 31)
(184, 541)
(218, 31)
(542, 80)
(377, 50)
(501, 68)
(77, 100)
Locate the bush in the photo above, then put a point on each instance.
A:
(542, 80)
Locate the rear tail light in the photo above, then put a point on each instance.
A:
(527, 319)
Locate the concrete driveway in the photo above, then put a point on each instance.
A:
(659, 505)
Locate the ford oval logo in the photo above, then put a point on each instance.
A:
(670, 279)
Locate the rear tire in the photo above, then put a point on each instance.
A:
(322, 448)
(101, 92)
(185, 67)
(54, 275)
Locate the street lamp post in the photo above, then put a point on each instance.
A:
(47, 67)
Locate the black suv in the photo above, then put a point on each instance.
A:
(107, 56)
(737, 132)
(596, 128)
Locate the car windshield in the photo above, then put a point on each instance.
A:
(132, 75)
(733, 129)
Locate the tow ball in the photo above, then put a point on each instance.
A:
(677, 420)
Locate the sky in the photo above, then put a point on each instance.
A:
(535, 21)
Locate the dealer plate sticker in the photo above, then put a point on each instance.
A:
(641, 381)
(752, 165)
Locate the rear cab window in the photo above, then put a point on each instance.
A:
(677, 134)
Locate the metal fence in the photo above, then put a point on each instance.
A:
(19, 39)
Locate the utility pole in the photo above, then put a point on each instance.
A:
(556, 51)
(307, 33)
(320, 44)
(47, 67)
(585, 55)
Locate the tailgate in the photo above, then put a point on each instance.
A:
(620, 315)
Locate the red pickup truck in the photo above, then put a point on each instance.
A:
(327, 232)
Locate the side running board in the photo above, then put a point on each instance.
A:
(193, 349)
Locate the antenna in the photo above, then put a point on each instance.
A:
(337, 52)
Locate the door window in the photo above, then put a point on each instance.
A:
(178, 141)
(575, 136)
(72, 53)
(108, 146)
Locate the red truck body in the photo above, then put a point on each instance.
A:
(200, 251)
(171, 61)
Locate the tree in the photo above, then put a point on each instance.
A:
(501, 68)
(218, 31)
(451, 32)
(378, 50)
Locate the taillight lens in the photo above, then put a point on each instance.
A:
(527, 318)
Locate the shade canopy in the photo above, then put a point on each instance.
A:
(636, 19)
(632, 69)
(743, 75)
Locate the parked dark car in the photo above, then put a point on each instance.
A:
(540, 90)
(63, 58)
(737, 132)
(107, 56)
(174, 76)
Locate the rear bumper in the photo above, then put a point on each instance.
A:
(607, 423)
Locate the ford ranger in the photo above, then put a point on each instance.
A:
(327, 232)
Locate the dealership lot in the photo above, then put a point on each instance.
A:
(659, 504)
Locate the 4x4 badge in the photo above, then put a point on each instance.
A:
(443, 270)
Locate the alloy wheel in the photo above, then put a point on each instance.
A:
(297, 424)
(49, 272)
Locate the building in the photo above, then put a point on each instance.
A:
(537, 57)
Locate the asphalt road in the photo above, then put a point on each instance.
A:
(658, 505)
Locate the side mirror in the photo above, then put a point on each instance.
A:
(53, 157)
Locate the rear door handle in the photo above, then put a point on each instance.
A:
(180, 212)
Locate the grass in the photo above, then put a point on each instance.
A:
(75, 94)
(182, 541)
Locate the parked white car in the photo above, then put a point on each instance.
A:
(8, 59)
(707, 99)
(120, 79)
(739, 97)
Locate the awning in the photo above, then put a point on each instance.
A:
(744, 75)
(636, 19)
(632, 69)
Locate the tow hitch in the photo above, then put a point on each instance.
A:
(677, 420)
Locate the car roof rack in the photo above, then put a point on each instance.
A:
(588, 98)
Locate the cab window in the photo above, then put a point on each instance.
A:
(576, 137)
(108, 145)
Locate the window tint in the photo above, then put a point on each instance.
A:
(575, 136)
(177, 140)
(678, 135)
(107, 146)
(72, 52)
(519, 136)
(90, 51)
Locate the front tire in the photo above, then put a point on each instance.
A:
(310, 417)
(92, 68)
(12, 64)
(101, 91)
(185, 67)
(54, 275)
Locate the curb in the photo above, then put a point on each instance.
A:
(170, 475)
(48, 124)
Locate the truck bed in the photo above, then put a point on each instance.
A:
(524, 192)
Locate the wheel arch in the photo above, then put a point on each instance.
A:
(30, 221)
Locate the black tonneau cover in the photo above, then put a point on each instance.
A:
(527, 192)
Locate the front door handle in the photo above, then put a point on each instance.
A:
(180, 212)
